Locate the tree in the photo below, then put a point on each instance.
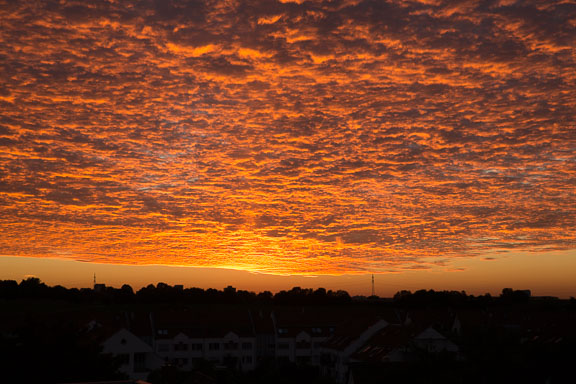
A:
(32, 287)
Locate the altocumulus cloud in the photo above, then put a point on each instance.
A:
(287, 136)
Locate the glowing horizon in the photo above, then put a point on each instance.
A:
(545, 274)
(289, 138)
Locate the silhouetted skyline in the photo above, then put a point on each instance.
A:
(173, 335)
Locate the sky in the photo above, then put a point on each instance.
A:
(290, 141)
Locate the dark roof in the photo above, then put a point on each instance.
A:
(262, 320)
(349, 331)
(203, 323)
(472, 318)
(441, 319)
(383, 342)
(328, 321)
(316, 321)
(102, 325)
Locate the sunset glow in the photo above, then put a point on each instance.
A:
(339, 137)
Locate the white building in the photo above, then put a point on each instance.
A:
(432, 341)
(226, 339)
(138, 358)
(299, 335)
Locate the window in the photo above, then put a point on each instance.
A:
(282, 331)
(214, 346)
(247, 359)
(246, 346)
(181, 347)
(139, 362)
(196, 347)
(163, 332)
(163, 347)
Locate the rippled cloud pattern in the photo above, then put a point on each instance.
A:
(288, 137)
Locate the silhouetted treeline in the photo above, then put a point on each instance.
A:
(432, 298)
(33, 288)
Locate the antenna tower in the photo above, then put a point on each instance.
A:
(373, 293)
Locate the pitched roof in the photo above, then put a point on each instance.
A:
(384, 342)
(203, 323)
(350, 331)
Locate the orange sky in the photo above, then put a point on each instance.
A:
(339, 137)
(545, 273)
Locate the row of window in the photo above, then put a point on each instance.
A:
(299, 345)
(182, 361)
(230, 346)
